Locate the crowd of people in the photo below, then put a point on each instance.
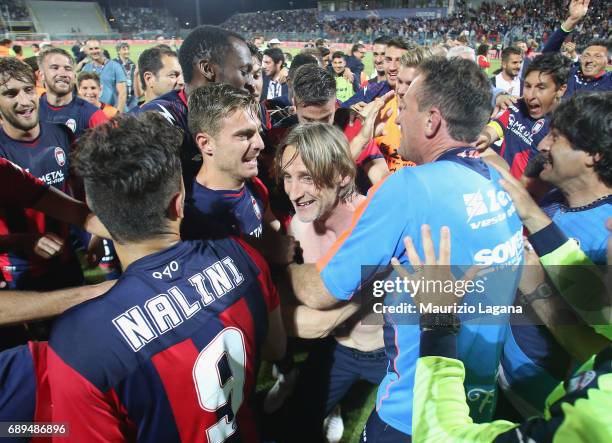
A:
(141, 19)
(492, 22)
(432, 230)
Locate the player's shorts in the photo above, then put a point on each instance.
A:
(377, 431)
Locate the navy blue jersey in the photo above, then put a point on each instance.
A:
(576, 82)
(173, 106)
(79, 115)
(24, 391)
(47, 158)
(240, 212)
(521, 136)
(170, 353)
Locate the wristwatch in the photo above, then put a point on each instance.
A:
(448, 322)
(543, 290)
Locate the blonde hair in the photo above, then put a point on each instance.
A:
(325, 152)
(415, 56)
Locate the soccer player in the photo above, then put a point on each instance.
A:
(394, 49)
(589, 73)
(344, 88)
(89, 89)
(272, 65)
(508, 79)
(318, 173)
(43, 150)
(171, 351)
(208, 55)
(159, 72)
(577, 152)
(112, 75)
(578, 410)
(451, 186)
(523, 125)
(60, 104)
(378, 60)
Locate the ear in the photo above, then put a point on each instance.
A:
(176, 205)
(206, 144)
(207, 70)
(345, 182)
(592, 159)
(147, 78)
(561, 91)
(433, 123)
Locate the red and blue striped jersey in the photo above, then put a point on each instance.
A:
(78, 115)
(47, 158)
(170, 353)
(237, 211)
(522, 134)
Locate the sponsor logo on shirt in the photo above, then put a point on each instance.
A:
(537, 126)
(520, 130)
(53, 178)
(494, 204)
(509, 252)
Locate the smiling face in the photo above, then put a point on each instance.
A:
(94, 51)
(323, 113)
(90, 90)
(563, 164)
(392, 64)
(338, 65)
(58, 74)
(512, 66)
(236, 147)
(269, 67)
(541, 94)
(310, 202)
(378, 58)
(593, 61)
(19, 104)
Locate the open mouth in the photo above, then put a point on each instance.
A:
(535, 109)
(26, 113)
(304, 204)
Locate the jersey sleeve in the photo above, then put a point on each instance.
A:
(500, 123)
(18, 186)
(262, 191)
(441, 412)
(371, 239)
(97, 118)
(575, 276)
(369, 153)
(264, 277)
(92, 416)
(120, 76)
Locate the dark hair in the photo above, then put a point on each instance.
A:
(357, 47)
(323, 51)
(255, 52)
(398, 42)
(276, 54)
(313, 85)
(462, 93)
(483, 49)
(32, 62)
(585, 120)
(320, 42)
(53, 50)
(510, 50)
(18, 49)
(338, 54)
(601, 42)
(381, 40)
(150, 60)
(210, 104)
(83, 75)
(299, 60)
(131, 170)
(11, 67)
(553, 64)
(35, 45)
(205, 43)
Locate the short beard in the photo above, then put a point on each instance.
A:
(16, 124)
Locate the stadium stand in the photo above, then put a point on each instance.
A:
(57, 17)
(142, 20)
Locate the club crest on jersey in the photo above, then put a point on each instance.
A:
(60, 156)
(256, 208)
(537, 126)
(71, 123)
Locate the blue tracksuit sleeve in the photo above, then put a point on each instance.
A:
(555, 41)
